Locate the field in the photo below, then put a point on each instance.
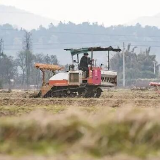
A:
(121, 125)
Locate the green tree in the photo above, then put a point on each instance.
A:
(137, 65)
(8, 69)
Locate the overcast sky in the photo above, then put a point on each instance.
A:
(108, 12)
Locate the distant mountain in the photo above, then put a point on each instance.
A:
(147, 20)
(20, 18)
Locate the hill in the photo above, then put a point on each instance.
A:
(53, 39)
(20, 18)
(147, 21)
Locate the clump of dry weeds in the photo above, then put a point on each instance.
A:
(131, 131)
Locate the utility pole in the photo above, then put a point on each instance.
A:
(1, 52)
(108, 61)
(154, 67)
(1, 47)
(124, 71)
(27, 48)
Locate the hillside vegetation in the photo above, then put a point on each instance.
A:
(53, 39)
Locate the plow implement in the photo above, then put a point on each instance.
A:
(156, 85)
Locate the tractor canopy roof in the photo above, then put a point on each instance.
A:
(89, 49)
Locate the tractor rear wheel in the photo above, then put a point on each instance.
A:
(92, 93)
(98, 93)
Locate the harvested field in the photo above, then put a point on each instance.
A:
(113, 98)
(121, 125)
(117, 97)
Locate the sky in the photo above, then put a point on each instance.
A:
(107, 12)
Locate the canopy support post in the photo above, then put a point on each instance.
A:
(91, 58)
(108, 62)
(77, 58)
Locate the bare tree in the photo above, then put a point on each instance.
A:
(27, 48)
(21, 62)
(25, 59)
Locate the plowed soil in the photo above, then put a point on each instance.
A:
(113, 98)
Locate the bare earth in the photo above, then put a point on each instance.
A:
(112, 98)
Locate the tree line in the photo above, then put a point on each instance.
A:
(16, 69)
(70, 35)
(141, 65)
(22, 71)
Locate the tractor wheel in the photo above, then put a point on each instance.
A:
(80, 93)
(87, 93)
(98, 92)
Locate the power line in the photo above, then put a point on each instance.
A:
(95, 34)
(115, 45)
(72, 43)
(1, 47)
(140, 45)
(85, 42)
(7, 49)
(92, 42)
(105, 34)
(61, 43)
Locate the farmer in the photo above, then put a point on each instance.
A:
(84, 64)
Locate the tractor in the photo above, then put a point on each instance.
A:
(74, 83)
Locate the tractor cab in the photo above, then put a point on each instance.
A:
(96, 75)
